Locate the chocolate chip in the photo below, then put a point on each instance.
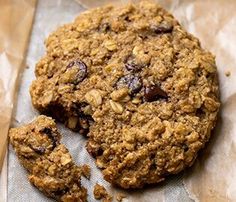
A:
(162, 28)
(153, 93)
(132, 81)
(82, 70)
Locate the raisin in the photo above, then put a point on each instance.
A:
(162, 28)
(82, 70)
(153, 93)
(132, 81)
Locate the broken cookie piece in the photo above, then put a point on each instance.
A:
(101, 193)
(49, 163)
(34, 140)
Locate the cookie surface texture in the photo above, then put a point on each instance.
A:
(137, 84)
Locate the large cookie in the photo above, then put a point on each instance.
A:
(139, 85)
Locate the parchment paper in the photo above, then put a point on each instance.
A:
(15, 24)
(212, 176)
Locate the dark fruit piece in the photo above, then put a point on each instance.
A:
(132, 81)
(82, 70)
(153, 93)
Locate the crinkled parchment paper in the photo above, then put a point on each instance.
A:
(211, 179)
(15, 25)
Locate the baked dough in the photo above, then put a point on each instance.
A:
(137, 84)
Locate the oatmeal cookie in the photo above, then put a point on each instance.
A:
(137, 84)
(49, 163)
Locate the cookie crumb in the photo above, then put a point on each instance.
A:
(120, 197)
(227, 73)
(100, 192)
(86, 171)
